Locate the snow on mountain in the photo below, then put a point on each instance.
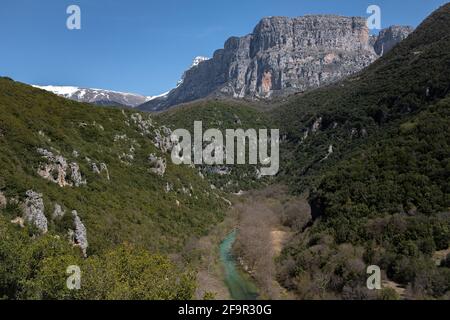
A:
(99, 96)
(109, 97)
(197, 60)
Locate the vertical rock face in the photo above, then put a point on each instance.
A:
(104, 167)
(58, 212)
(389, 37)
(281, 56)
(34, 211)
(76, 175)
(80, 235)
(3, 200)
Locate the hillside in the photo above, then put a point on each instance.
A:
(373, 153)
(93, 177)
(366, 160)
(222, 115)
(400, 84)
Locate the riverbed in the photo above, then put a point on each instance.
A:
(240, 285)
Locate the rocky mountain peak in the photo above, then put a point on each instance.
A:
(282, 56)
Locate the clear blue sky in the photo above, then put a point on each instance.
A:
(143, 46)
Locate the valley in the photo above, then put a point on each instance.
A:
(364, 177)
(237, 259)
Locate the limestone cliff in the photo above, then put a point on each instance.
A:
(282, 56)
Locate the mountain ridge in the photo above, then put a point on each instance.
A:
(282, 56)
(98, 96)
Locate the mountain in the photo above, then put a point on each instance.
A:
(94, 187)
(195, 62)
(98, 96)
(281, 56)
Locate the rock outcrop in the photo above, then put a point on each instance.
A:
(59, 171)
(75, 175)
(58, 213)
(144, 125)
(3, 201)
(99, 169)
(389, 37)
(157, 165)
(104, 168)
(164, 139)
(34, 211)
(282, 56)
(80, 233)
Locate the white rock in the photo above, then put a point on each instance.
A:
(80, 234)
(19, 221)
(158, 165)
(3, 200)
(34, 211)
(58, 212)
(104, 167)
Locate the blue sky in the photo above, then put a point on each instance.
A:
(143, 46)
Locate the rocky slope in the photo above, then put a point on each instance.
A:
(96, 177)
(98, 96)
(389, 37)
(282, 56)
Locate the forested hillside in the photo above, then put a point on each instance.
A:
(94, 178)
(222, 115)
(373, 151)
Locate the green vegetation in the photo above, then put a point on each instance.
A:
(383, 196)
(358, 110)
(371, 153)
(36, 269)
(133, 206)
(390, 204)
(223, 115)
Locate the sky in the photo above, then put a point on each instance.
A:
(143, 46)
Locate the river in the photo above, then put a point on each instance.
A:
(240, 285)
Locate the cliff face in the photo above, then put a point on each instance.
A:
(295, 55)
(281, 56)
(389, 37)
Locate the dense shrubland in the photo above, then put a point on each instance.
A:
(35, 268)
(223, 115)
(383, 196)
